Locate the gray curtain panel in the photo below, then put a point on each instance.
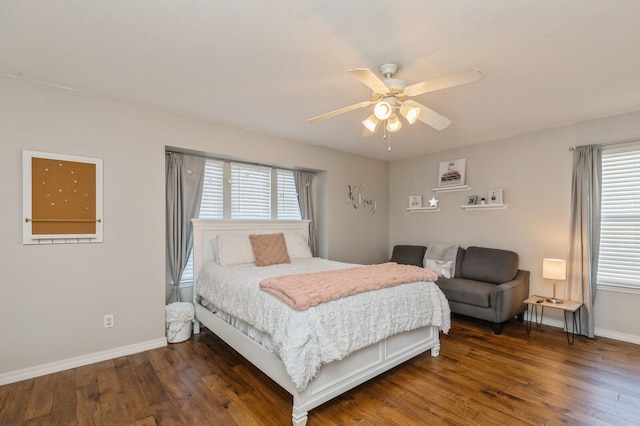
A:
(584, 243)
(303, 181)
(185, 178)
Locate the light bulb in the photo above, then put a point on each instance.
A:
(382, 110)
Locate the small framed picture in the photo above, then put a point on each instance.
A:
(494, 196)
(471, 200)
(415, 201)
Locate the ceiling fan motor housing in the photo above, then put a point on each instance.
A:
(389, 69)
(395, 85)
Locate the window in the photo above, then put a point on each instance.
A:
(288, 206)
(212, 206)
(251, 196)
(250, 191)
(619, 263)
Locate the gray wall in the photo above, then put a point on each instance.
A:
(534, 171)
(54, 296)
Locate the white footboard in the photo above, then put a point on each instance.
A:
(335, 378)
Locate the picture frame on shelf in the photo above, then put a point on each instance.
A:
(472, 200)
(415, 201)
(494, 196)
(452, 173)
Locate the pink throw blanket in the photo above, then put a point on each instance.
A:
(301, 291)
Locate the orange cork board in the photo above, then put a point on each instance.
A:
(63, 197)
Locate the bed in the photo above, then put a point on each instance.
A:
(332, 378)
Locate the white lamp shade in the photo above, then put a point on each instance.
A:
(382, 110)
(554, 269)
(371, 123)
(394, 124)
(410, 113)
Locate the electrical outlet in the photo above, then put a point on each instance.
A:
(108, 320)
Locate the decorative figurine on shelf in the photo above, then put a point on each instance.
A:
(483, 201)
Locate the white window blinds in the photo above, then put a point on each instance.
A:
(250, 191)
(619, 260)
(211, 206)
(288, 207)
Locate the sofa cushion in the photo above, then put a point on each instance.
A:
(408, 255)
(465, 291)
(489, 265)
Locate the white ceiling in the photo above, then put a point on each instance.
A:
(269, 66)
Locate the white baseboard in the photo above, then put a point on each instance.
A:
(54, 367)
(599, 332)
(629, 338)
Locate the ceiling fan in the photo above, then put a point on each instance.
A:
(389, 96)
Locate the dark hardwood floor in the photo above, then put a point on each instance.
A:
(479, 378)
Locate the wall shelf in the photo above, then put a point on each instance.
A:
(453, 188)
(423, 209)
(484, 207)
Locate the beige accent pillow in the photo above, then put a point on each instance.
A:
(269, 249)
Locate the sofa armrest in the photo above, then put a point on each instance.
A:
(507, 298)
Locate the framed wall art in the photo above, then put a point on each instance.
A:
(452, 173)
(494, 196)
(62, 198)
(415, 201)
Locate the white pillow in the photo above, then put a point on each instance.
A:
(441, 267)
(234, 249)
(297, 246)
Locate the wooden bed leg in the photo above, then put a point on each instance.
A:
(435, 351)
(299, 418)
(196, 326)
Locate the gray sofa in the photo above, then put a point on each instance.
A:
(487, 283)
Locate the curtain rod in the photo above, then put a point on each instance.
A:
(572, 148)
(251, 163)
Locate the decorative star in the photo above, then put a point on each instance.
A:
(433, 202)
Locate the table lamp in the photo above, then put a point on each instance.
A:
(554, 269)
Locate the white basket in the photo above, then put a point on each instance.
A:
(178, 318)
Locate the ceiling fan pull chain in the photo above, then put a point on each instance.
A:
(389, 142)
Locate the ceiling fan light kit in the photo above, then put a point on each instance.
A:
(389, 96)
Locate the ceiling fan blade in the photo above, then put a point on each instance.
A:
(370, 79)
(340, 111)
(439, 83)
(430, 117)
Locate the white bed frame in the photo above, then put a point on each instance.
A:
(334, 378)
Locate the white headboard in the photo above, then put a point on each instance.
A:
(204, 230)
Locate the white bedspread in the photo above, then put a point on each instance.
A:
(305, 340)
